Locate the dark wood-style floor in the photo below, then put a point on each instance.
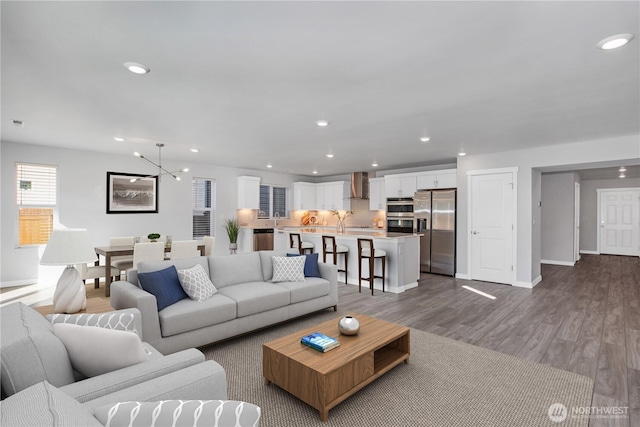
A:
(584, 319)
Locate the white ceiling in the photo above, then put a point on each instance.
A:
(245, 81)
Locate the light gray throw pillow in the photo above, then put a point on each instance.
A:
(196, 283)
(288, 269)
(95, 351)
(191, 413)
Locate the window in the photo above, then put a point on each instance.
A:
(203, 196)
(36, 190)
(273, 200)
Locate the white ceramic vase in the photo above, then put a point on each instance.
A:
(70, 295)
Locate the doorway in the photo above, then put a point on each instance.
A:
(619, 221)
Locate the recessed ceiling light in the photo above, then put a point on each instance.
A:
(269, 165)
(330, 155)
(425, 139)
(315, 171)
(614, 42)
(194, 150)
(136, 68)
(462, 153)
(322, 123)
(622, 169)
(374, 164)
(118, 138)
(622, 175)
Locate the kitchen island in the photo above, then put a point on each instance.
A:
(403, 254)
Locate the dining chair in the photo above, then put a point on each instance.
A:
(147, 251)
(95, 272)
(124, 262)
(184, 249)
(209, 243)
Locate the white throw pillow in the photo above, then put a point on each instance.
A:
(94, 351)
(196, 283)
(288, 269)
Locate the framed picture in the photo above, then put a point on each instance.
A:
(131, 193)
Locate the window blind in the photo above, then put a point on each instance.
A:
(203, 197)
(36, 197)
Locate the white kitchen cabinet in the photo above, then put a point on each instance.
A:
(333, 195)
(437, 179)
(304, 196)
(400, 185)
(377, 196)
(248, 192)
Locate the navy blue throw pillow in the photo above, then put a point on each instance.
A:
(311, 268)
(164, 285)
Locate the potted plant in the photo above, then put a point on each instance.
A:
(153, 237)
(232, 229)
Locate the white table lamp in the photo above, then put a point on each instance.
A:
(68, 247)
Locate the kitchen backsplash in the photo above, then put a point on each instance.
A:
(362, 217)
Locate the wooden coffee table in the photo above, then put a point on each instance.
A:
(322, 380)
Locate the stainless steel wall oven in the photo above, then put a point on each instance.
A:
(400, 215)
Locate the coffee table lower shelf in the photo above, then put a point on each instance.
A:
(323, 380)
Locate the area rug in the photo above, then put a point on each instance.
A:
(447, 383)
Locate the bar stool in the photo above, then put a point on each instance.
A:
(329, 247)
(370, 254)
(302, 247)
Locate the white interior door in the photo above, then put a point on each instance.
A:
(576, 222)
(492, 219)
(619, 222)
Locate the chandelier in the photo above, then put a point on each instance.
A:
(161, 170)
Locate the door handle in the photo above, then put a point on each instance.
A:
(474, 232)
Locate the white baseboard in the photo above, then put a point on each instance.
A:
(408, 286)
(567, 263)
(24, 282)
(463, 276)
(527, 284)
(589, 252)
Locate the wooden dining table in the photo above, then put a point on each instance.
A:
(110, 251)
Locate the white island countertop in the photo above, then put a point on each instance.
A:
(350, 232)
(402, 253)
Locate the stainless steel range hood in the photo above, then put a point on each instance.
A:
(360, 185)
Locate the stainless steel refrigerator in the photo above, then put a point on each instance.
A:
(435, 218)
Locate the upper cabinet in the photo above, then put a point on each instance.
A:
(248, 192)
(400, 185)
(322, 196)
(304, 196)
(377, 196)
(437, 179)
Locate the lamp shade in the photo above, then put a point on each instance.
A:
(69, 246)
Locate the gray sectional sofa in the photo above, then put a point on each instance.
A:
(41, 387)
(246, 300)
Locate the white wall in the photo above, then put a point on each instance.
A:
(604, 152)
(589, 208)
(82, 200)
(557, 222)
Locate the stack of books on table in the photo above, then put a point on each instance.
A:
(320, 342)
